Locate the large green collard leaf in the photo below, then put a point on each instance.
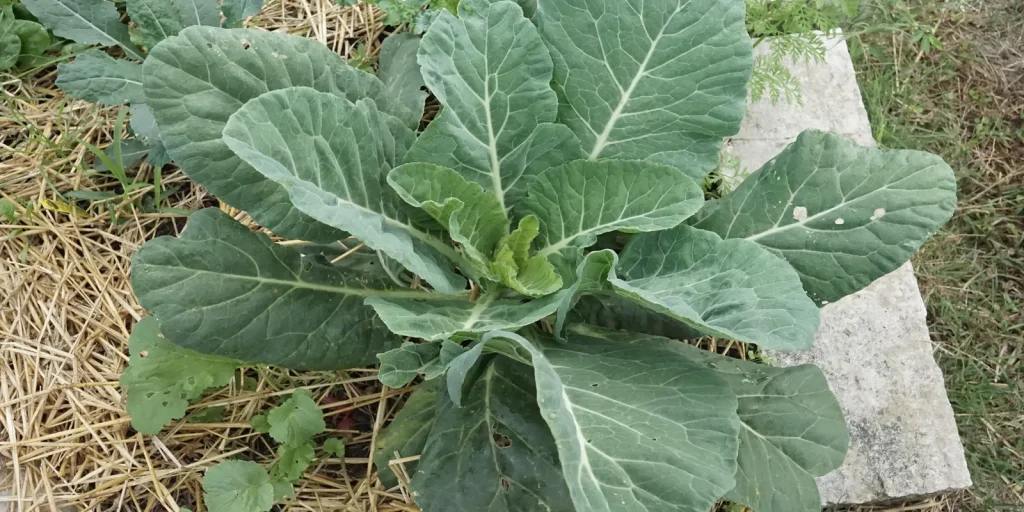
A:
(85, 21)
(639, 427)
(491, 71)
(407, 433)
(580, 200)
(97, 77)
(400, 72)
(662, 80)
(156, 19)
(333, 158)
(728, 288)
(792, 431)
(198, 12)
(437, 320)
(840, 214)
(222, 289)
(161, 377)
(494, 453)
(197, 79)
(473, 216)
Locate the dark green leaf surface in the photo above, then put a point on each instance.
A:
(577, 201)
(407, 433)
(333, 158)
(733, 289)
(841, 214)
(662, 80)
(271, 304)
(156, 19)
(35, 41)
(85, 21)
(792, 431)
(161, 377)
(10, 49)
(400, 72)
(495, 453)
(491, 71)
(197, 79)
(97, 77)
(639, 427)
(398, 367)
(440, 319)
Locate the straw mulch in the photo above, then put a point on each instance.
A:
(66, 310)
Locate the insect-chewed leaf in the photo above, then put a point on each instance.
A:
(400, 72)
(97, 77)
(398, 367)
(661, 80)
(792, 431)
(156, 19)
(577, 201)
(198, 12)
(197, 79)
(491, 71)
(85, 21)
(734, 289)
(272, 304)
(638, 426)
(437, 320)
(407, 433)
(841, 214)
(333, 157)
(238, 486)
(161, 377)
(473, 216)
(494, 452)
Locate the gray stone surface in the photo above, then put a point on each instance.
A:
(873, 346)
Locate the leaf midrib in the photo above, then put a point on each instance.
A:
(127, 50)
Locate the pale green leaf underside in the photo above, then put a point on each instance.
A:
(792, 431)
(842, 215)
(436, 320)
(494, 453)
(473, 216)
(663, 80)
(638, 426)
(85, 21)
(198, 12)
(398, 367)
(580, 200)
(333, 158)
(97, 77)
(238, 486)
(222, 289)
(407, 433)
(733, 289)
(197, 79)
(400, 72)
(161, 377)
(491, 71)
(156, 19)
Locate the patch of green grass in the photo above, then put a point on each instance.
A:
(946, 77)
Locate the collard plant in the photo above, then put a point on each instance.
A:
(98, 77)
(532, 258)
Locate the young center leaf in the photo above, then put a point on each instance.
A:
(494, 452)
(85, 21)
(400, 72)
(161, 377)
(580, 200)
(99, 78)
(792, 431)
(734, 289)
(491, 71)
(196, 80)
(271, 304)
(156, 19)
(842, 215)
(638, 426)
(534, 276)
(407, 433)
(332, 156)
(662, 80)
